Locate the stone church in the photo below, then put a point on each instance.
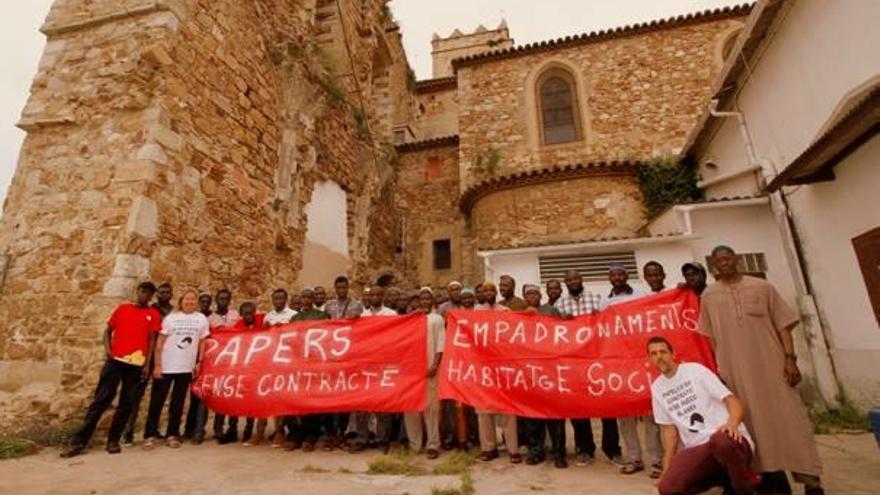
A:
(277, 143)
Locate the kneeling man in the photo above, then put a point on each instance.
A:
(691, 405)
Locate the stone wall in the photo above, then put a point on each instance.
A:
(558, 212)
(458, 44)
(639, 94)
(438, 113)
(177, 141)
(427, 198)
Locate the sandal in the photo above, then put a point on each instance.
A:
(656, 471)
(487, 456)
(632, 468)
(149, 444)
(515, 459)
(173, 442)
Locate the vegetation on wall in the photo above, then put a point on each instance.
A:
(665, 181)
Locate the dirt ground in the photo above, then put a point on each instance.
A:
(852, 467)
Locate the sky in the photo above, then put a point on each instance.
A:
(528, 20)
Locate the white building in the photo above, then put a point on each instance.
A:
(789, 159)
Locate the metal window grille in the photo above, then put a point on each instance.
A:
(593, 267)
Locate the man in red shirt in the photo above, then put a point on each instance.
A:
(128, 344)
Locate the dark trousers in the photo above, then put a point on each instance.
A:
(583, 437)
(304, 429)
(535, 431)
(136, 406)
(335, 424)
(219, 419)
(178, 383)
(697, 469)
(113, 374)
(196, 416)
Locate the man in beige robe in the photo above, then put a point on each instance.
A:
(750, 326)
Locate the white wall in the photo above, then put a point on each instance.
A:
(818, 54)
(828, 215)
(327, 214)
(525, 269)
(822, 51)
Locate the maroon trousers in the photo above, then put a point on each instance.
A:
(697, 469)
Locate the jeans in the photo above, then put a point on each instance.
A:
(114, 375)
(178, 383)
(196, 416)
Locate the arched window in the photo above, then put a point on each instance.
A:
(557, 97)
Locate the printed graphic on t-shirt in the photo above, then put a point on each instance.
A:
(681, 401)
(183, 333)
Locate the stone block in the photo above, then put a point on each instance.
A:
(131, 266)
(153, 153)
(166, 137)
(120, 287)
(143, 220)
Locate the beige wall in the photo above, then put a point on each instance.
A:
(820, 54)
(828, 216)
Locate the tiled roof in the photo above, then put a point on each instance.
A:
(547, 174)
(724, 88)
(607, 34)
(439, 84)
(499, 247)
(847, 134)
(428, 144)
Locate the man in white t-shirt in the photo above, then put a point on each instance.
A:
(375, 298)
(281, 313)
(693, 407)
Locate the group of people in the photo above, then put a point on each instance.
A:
(705, 429)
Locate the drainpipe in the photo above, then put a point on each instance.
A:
(488, 269)
(826, 377)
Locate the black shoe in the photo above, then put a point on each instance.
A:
(128, 439)
(187, 435)
(230, 436)
(198, 439)
(72, 451)
(113, 448)
(533, 460)
(560, 463)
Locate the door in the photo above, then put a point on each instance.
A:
(867, 247)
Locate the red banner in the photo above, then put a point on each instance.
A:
(369, 364)
(588, 367)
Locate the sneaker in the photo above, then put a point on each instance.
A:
(560, 463)
(128, 441)
(113, 448)
(620, 461)
(584, 459)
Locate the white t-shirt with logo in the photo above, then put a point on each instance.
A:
(275, 317)
(183, 333)
(692, 401)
